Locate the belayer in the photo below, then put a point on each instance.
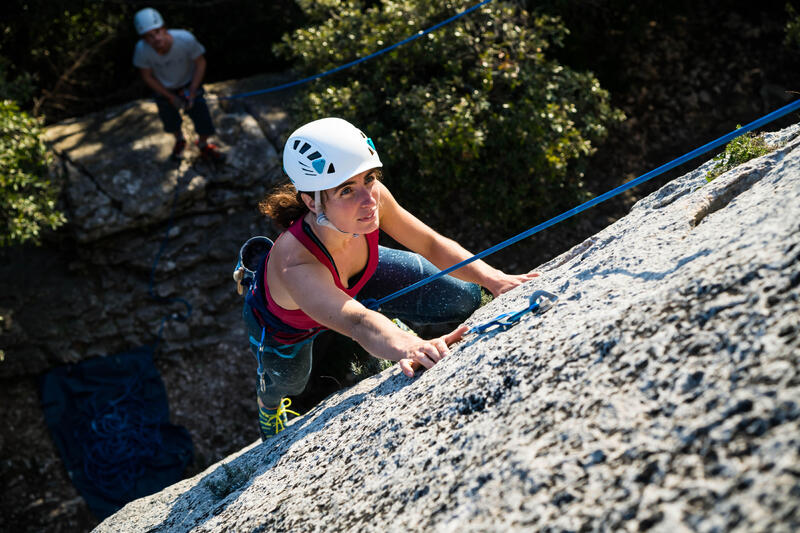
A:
(172, 63)
(309, 279)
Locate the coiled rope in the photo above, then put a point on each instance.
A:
(120, 439)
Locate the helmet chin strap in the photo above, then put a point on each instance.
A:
(323, 220)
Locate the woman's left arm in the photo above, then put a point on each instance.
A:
(418, 237)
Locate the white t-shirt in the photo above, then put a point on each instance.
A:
(175, 68)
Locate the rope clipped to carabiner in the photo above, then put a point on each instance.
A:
(539, 302)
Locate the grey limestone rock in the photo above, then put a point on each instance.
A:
(122, 197)
(661, 393)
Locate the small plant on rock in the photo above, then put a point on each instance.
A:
(228, 480)
(738, 151)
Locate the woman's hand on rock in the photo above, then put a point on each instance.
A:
(426, 353)
(505, 282)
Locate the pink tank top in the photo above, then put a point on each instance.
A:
(296, 318)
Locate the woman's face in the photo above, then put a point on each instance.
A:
(353, 205)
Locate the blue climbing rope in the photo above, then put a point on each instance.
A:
(766, 119)
(419, 34)
(499, 321)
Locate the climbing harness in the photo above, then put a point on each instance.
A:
(539, 302)
(417, 35)
(288, 351)
(248, 272)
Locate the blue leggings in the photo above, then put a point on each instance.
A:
(445, 300)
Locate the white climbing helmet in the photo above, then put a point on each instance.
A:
(147, 19)
(327, 152)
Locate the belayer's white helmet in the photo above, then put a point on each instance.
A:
(327, 152)
(147, 19)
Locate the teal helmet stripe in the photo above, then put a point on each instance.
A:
(319, 165)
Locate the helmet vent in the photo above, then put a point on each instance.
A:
(304, 148)
(307, 170)
(331, 170)
(315, 155)
(296, 143)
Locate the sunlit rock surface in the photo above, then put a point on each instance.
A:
(661, 393)
(131, 208)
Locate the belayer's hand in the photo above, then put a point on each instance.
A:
(426, 353)
(190, 95)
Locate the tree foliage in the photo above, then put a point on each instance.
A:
(77, 54)
(475, 115)
(27, 194)
(792, 27)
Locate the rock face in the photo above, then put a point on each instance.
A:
(125, 198)
(661, 393)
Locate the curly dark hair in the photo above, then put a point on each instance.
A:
(284, 204)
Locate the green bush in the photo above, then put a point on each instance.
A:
(792, 27)
(738, 151)
(473, 120)
(19, 88)
(27, 195)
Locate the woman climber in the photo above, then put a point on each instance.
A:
(329, 254)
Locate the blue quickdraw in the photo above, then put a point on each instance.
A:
(539, 301)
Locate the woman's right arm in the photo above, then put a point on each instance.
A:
(312, 288)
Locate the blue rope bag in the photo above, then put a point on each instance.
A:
(120, 437)
(109, 419)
